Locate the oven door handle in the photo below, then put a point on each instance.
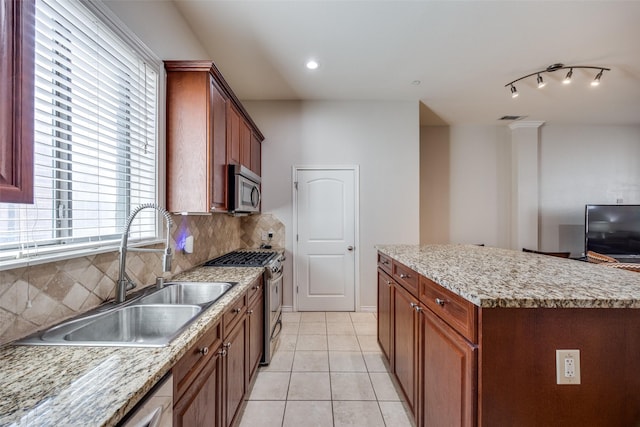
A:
(276, 330)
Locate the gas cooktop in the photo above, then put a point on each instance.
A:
(246, 258)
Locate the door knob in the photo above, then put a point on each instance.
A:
(349, 248)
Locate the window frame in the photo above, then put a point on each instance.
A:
(55, 253)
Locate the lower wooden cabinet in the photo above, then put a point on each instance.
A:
(235, 381)
(255, 319)
(447, 374)
(428, 351)
(405, 355)
(385, 314)
(211, 379)
(200, 405)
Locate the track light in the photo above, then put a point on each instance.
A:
(596, 81)
(555, 67)
(567, 79)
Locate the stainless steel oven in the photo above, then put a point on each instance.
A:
(273, 308)
(272, 261)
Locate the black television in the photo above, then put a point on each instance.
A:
(613, 230)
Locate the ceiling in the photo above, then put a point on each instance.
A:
(461, 52)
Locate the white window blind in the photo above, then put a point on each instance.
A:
(95, 148)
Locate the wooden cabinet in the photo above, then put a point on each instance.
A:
(198, 382)
(429, 335)
(235, 369)
(385, 314)
(233, 136)
(211, 379)
(447, 375)
(207, 130)
(255, 319)
(17, 28)
(405, 353)
(243, 144)
(256, 155)
(196, 138)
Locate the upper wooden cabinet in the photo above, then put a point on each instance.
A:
(206, 131)
(17, 30)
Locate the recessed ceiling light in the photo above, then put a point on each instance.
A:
(312, 65)
(416, 82)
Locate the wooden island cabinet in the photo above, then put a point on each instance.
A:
(480, 348)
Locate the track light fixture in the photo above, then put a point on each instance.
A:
(551, 69)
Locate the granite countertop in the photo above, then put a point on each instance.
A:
(97, 386)
(493, 277)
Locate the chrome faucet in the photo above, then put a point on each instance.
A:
(124, 281)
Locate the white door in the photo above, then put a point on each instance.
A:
(325, 250)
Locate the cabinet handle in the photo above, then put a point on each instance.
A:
(440, 302)
(250, 312)
(389, 282)
(236, 310)
(222, 352)
(256, 288)
(204, 351)
(385, 262)
(413, 304)
(404, 276)
(417, 308)
(226, 345)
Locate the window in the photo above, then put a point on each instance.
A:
(95, 153)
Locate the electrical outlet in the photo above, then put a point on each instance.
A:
(265, 236)
(567, 366)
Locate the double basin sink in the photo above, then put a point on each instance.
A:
(152, 319)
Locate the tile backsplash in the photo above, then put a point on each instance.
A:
(34, 297)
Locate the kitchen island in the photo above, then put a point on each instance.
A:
(98, 386)
(471, 334)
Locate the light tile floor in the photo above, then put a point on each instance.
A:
(327, 371)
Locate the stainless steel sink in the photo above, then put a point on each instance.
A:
(187, 293)
(140, 324)
(151, 320)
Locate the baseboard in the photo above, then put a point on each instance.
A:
(364, 308)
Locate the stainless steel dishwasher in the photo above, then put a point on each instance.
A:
(156, 409)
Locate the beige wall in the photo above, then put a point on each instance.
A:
(575, 165)
(382, 137)
(435, 184)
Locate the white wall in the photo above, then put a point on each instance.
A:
(580, 165)
(381, 137)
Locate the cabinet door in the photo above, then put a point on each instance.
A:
(245, 144)
(256, 155)
(256, 333)
(17, 29)
(218, 162)
(405, 343)
(448, 375)
(385, 315)
(200, 405)
(233, 135)
(235, 371)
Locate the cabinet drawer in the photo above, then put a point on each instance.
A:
(234, 314)
(405, 276)
(456, 311)
(384, 262)
(190, 365)
(255, 290)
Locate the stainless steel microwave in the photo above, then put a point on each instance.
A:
(244, 190)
